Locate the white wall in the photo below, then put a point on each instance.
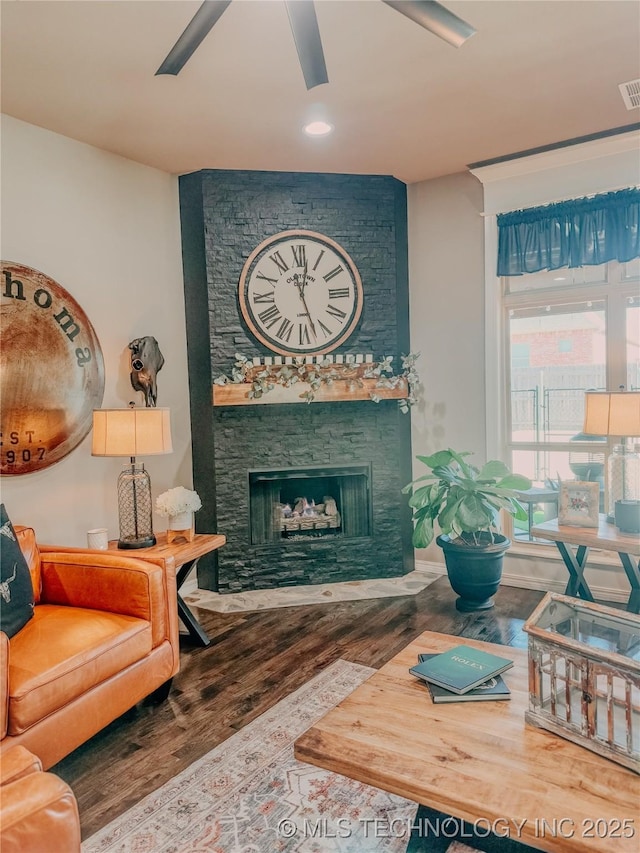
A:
(602, 165)
(446, 303)
(107, 230)
(447, 312)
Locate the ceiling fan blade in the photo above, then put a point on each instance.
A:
(434, 17)
(197, 28)
(306, 34)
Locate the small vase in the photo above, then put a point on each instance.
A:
(180, 521)
(180, 525)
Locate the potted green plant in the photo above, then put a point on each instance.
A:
(466, 502)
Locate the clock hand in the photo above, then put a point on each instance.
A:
(304, 301)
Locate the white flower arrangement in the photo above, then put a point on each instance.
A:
(178, 500)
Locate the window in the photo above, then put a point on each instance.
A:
(567, 331)
(520, 354)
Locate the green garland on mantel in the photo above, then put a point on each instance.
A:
(264, 378)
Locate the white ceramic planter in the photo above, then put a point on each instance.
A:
(183, 521)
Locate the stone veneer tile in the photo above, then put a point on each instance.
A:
(226, 214)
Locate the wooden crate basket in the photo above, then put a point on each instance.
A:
(584, 676)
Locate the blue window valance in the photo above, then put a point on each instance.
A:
(576, 233)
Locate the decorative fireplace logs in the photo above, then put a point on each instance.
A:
(307, 515)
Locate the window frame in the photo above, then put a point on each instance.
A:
(568, 171)
(614, 292)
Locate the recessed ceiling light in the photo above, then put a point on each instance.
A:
(318, 128)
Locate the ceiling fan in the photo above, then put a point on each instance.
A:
(306, 33)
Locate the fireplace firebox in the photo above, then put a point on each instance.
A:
(293, 504)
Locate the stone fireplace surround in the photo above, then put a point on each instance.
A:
(224, 215)
(257, 437)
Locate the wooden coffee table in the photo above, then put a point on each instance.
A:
(477, 760)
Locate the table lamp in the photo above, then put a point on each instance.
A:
(618, 414)
(133, 432)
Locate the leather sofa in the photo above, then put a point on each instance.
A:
(104, 635)
(39, 810)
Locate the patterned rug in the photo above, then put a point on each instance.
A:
(250, 795)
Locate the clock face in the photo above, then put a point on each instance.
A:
(300, 293)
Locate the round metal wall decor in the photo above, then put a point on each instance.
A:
(52, 371)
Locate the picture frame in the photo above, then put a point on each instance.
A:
(579, 503)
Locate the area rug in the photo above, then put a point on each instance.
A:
(250, 795)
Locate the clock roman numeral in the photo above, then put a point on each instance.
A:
(284, 332)
(270, 316)
(299, 255)
(315, 266)
(333, 273)
(264, 277)
(327, 332)
(338, 293)
(263, 297)
(303, 334)
(336, 312)
(279, 261)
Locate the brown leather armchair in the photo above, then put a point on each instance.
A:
(38, 810)
(104, 635)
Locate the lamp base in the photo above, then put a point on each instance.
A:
(147, 542)
(134, 507)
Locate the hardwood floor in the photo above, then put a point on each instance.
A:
(254, 660)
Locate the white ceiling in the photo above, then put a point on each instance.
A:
(403, 101)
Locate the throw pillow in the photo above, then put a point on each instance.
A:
(16, 592)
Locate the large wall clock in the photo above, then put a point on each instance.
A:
(52, 371)
(300, 293)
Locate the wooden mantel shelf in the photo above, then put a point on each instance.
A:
(340, 391)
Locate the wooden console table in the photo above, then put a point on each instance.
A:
(607, 537)
(185, 555)
(477, 761)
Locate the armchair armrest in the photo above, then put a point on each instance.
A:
(39, 812)
(17, 762)
(115, 583)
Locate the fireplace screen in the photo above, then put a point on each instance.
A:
(308, 503)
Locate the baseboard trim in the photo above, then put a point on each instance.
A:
(431, 568)
(600, 592)
(435, 570)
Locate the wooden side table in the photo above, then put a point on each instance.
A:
(605, 536)
(186, 555)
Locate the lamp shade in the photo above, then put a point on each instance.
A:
(616, 414)
(131, 432)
